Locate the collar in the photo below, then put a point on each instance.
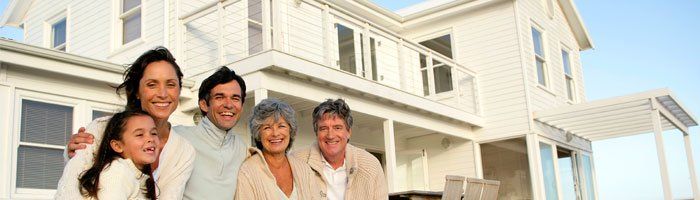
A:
(213, 135)
(317, 161)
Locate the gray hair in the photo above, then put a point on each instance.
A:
(334, 108)
(272, 108)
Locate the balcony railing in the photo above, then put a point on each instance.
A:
(221, 32)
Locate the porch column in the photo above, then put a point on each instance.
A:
(260, 94)
(666, 183)
(478, 166)
(390, 153)
(533, 158)
(691, 165)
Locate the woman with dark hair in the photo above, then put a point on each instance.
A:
(152, 84)
(269, 173)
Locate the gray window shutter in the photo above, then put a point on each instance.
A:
(42, 123)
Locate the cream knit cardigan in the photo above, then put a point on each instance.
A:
(365, 175)
(174, 167)
(122, 180)
(255, 180)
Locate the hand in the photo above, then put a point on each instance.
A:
(79, 141)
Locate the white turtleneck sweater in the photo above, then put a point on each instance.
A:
(219, 156)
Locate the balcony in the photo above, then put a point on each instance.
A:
(215, 33)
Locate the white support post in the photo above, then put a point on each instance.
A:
(260, 94)
(366, 52)
(328, 29)
(266, 24)
(7, 103)
(691, 165)
(390, 153)
(658, 131)
(477, 160)
(429, 70)
(533, 157)
(220, 32)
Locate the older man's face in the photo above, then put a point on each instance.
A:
(333, 136)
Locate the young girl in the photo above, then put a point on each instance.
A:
(122, 165)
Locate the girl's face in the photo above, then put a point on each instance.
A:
(139, 141)
(159, 90)
(274, 135)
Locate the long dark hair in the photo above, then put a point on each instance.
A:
(133, 74)
(90, 179)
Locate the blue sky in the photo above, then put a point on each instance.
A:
(639, 46)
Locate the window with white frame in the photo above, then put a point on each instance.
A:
(442, 73)
(58, 35)
(346, 48)
(540, 62)
(130, 20)
(255, 27)
(45, 129)
(568, 77)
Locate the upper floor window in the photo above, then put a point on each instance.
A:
(540, 62)
(441, 79)
(130, 19)
(442, 45)
(568, 77)
(58, 35)
(255, 26)
(45, 129)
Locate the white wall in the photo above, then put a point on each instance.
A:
(91, 28)
(486, 41)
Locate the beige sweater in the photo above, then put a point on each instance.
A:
(255, 180)
(365, 174)
(122, 180)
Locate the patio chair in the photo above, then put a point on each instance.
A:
(453, 187)
(481, 189)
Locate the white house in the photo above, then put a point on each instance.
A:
(490, 89)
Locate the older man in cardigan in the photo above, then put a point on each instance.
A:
(346, 172)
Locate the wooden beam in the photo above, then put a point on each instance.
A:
(663, 166)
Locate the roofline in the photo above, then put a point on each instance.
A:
(398, 23)
(15, 12)
(69, 58)
(576, 24)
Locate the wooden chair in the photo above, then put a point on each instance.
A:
(481, 189)
(453, 187)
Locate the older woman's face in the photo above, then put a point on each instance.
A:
(159, 90)
(274, 135)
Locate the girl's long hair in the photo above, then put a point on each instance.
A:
(90, 179)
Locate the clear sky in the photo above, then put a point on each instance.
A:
(640, 45)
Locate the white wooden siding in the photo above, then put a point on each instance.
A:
(457, 159)
(487, 41)
(305, 31)
(557, 36)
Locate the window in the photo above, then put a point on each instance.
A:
(255, 27)
(540, 62)
(97, 114)
(548, 171)
(44, 131)
(442, 45)
(568, 77)
(441, 76)
(442, 73)
(130, 19)
(587, 165)
(58, 35)
(346, 48)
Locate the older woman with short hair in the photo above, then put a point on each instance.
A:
(269, 173)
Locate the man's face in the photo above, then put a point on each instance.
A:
(333, 136)
(225, 105)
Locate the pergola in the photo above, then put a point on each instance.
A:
(652, 111)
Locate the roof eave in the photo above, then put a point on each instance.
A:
(15, 12)
(576, 24)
